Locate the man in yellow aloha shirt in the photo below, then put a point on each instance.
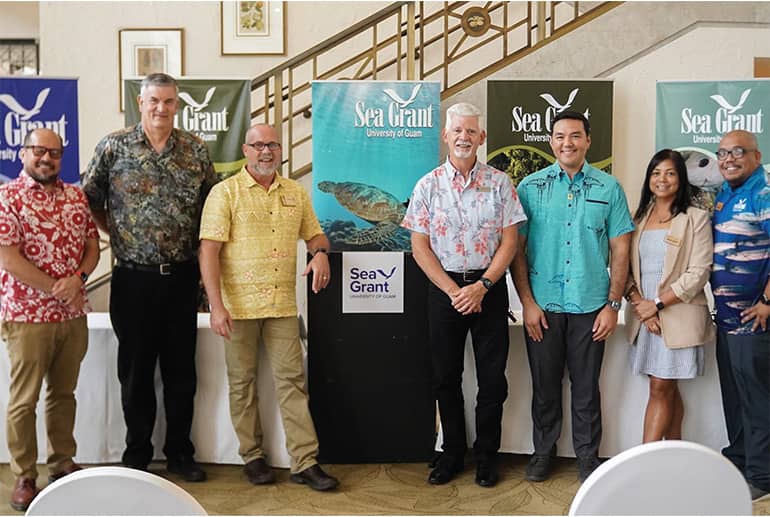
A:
(248, 258)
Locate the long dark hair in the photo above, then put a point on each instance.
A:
(685, 194)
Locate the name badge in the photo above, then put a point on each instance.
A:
(288, 201)
(483, 189)
(673, 240)
(719, 206)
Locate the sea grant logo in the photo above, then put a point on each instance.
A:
(725, 118)
(17, 123)
(194, 118)
(372, 282)
(395, 120)
(536, 127)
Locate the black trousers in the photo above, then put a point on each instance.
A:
(155, 319)
(566, 342)
(744, 378)
(489, 332)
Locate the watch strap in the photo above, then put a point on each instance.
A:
(659, 304)
(319, 250)
(614, 305)
(486, 282)
(765, 299)
(82, 275)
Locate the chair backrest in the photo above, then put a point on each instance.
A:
(114, 491)
(671, 477)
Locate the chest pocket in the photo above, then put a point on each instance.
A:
(596, 214)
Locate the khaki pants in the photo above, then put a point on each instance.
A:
(281, 337)
(37, 351)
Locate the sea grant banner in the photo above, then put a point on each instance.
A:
(692, 116)
(372, 282)
(372, 141)
(520, 119)
(28, 103)
(217, 110)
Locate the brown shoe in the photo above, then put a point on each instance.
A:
(315, 478)
(74, 467)
(24, 491)
(258, 472)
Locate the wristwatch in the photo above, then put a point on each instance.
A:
(486, 282)
(614, 305)
(659, 304)
(83, 276)
(319, 250)
(765, 299)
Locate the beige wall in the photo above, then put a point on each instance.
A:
(19, 20)
(80, 39)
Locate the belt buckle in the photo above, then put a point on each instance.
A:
(465, 279)
(165, 269)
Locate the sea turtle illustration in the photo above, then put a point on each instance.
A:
(371, 204)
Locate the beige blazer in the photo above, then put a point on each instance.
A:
(686, 269)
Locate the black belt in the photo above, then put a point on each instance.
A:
(169, 268)
(468, 277)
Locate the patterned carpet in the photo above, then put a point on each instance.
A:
(380, 489)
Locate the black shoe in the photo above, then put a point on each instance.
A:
(539, 467)
(315, 478)
(446, 469)
(756, 492)
(136, 466)
(258, 472)
(187, 468)
(486, 473)
(586, 466)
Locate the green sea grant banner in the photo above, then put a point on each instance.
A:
(692, 116)
(372, 141)
(520, 115)
(217, 110)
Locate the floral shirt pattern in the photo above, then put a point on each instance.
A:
(153, 200)
(51, 230)
(464, 219)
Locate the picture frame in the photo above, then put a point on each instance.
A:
(252, 28)
(146, 51)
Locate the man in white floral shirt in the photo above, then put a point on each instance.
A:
(463, 218)
(48, 247)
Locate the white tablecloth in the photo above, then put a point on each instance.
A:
(99, 427)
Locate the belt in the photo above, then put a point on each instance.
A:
(169, 268)
(470, 276)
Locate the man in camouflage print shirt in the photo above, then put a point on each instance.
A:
(146, 186)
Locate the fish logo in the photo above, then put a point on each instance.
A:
(729, 107)
(397, 98)
(192, 102)
(25, 114)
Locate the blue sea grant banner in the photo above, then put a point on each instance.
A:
(372, 141)
(28, 103)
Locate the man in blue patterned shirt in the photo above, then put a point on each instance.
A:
(741, 290)
(146, 185)
(577, 217)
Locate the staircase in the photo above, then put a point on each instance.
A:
(455, 43)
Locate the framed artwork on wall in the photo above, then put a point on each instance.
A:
(252, 27)
(147, 51)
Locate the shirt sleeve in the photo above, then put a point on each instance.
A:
(95, 179)
(310, 226)
(216, 216)
(619, 221)
(417, 218)
(10, 230)
(521, 193)
(513, 212)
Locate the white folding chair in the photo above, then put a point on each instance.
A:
(114, 491)
(671, 477)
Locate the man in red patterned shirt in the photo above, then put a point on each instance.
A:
(48, 247)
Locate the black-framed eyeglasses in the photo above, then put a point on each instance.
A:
(258, 146)
(40, 150)
(737, 152)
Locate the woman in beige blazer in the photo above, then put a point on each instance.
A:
(667, 319)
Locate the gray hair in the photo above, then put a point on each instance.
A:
(158, 79)
(463, 109)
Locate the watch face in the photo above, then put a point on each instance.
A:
(487, 283)
(614, 305)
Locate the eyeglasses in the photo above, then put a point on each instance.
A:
(737, 152)
(39, 151)
(258, 146)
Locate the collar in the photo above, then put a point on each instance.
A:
(455, 172)
(757, 178)
(247, 181)
(138, 136)
(28, 182)
(555, 170)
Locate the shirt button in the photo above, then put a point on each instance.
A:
(567, 243)
(569, 224)
(567, 263)
(569, 205)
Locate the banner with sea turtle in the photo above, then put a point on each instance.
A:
(372, 141)
(520, 115)
(692, 116)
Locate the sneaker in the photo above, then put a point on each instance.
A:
(539, 467)
(756, 492)
(586, 466)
